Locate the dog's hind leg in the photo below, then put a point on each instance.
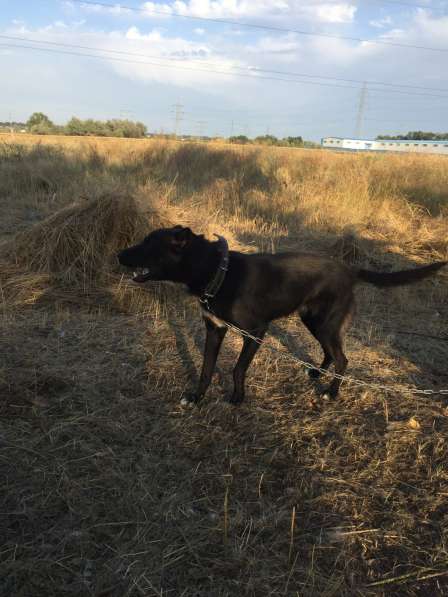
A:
(215, 336)
(334, 345)
(332, 340)
(312, 323)
(328, 326)
(248, 351)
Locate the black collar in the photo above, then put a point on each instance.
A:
(212, 288)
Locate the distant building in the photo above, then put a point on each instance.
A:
(395, 145)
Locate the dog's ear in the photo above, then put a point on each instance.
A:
(181, 237)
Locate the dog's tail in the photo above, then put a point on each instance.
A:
(407, 276)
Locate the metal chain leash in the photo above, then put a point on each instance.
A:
(352, 380)
(348, 378)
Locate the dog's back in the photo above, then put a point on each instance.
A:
(258, 288)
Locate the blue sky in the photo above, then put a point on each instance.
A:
(149, 62)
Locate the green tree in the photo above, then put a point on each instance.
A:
(416, 136)
(39, 119)
(239, 139)
(125, 128)
(266, 140)
(293, 141)
(110, 128)
(74, 127)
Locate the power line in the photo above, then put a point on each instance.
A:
(412, 104)
(166, 13)
(209, 70)
(200, 125)
(346, 119)
(245, 112)
(409, 5)
(190, 68)
(208, 62)
(400, 122)
(262, 27)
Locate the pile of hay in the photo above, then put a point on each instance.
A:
(71, 256)
(78, 244)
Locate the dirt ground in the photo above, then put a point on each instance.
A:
(110, 488)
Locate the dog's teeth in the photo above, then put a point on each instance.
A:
(135, 274)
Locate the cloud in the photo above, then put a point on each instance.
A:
(422, 30)
(222, 49)
(431, 27)
(278, 11)
(381, 23)
(332, 13)
(276, 45)
(115, 9)
(154, 56)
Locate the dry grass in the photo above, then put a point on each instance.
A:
(109, 488)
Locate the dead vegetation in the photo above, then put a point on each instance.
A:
(109, 488)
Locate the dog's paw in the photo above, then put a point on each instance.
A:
(328, 395)
(189, 400)
(235, 399)
(313, 373)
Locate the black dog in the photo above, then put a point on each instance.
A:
(249, 291)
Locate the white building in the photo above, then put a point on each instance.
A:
(395, 145)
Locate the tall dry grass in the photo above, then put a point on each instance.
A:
(111, 488)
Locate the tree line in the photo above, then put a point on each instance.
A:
(416, 136)
(39, 124)
(271, 140)
(12, 124)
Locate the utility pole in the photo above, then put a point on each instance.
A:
(361, 108)
(201, 125)
(238, 128)
(178, 110)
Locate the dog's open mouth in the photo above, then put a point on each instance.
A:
(142, 274)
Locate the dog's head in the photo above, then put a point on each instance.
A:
(160, 256)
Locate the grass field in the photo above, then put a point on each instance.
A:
(108, 487)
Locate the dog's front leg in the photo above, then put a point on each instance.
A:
(248, 351)
(215, 336)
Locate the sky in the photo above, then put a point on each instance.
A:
(139, 60)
